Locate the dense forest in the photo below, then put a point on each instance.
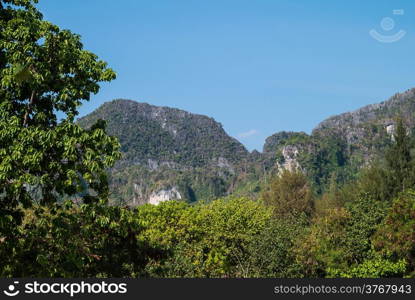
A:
(337, 203)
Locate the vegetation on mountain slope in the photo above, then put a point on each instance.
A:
(149, 132)
(164, 148)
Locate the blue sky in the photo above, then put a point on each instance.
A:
(257, 67)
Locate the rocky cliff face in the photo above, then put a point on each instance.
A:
(282, 150)
(163, 195)
(289, 160)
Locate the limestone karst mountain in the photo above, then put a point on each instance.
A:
(168, 153)
(173, 154)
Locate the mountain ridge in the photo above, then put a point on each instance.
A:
(169, 152)
(370, 111)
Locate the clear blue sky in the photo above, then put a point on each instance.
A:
(258, 67)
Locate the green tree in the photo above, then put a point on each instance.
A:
(340, 238)
(371, 182)
(385, 178)
(270, 254)
(45, 73)
(366, 215)
(205, 240)
(327, 158)
(396, 236)
(324, 245)
(289, 194)
(332, 198)
(399, 161)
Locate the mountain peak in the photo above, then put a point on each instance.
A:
(162, 133)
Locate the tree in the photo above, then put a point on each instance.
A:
(270, 254)
(385, 178)
(289, 194)
(339, 238)
(324, 244)
(69, 240)
(396, 236)
(204, 240)
(332, 198)
(45, 73)
(366, 215)
(399, 161)
(327, 158)
(372, 182)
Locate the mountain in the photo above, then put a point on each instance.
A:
(339, 146)
(168, 153)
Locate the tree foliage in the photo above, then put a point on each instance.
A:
(289, 194)
(400, 164)
(46, 73)
(396, 236)
(67, 240)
